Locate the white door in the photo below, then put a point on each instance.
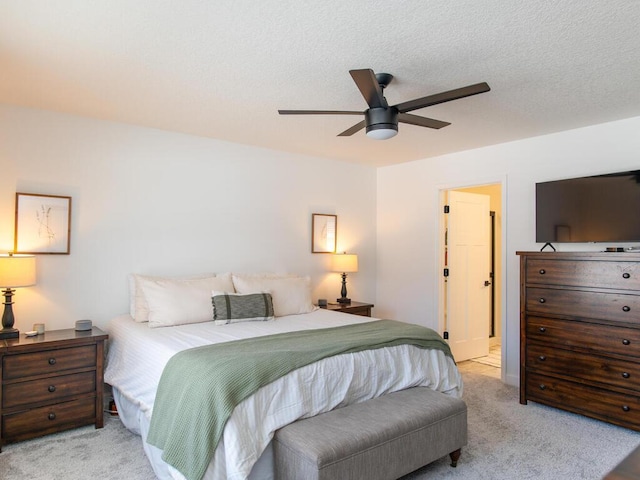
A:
(468, 291)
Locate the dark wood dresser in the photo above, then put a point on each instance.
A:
(580, 333)
(51, 382)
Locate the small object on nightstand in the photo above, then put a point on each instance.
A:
(39, 328)
(83, 325)
(322, 302)
(31, 333)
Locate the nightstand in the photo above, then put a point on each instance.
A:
(355, 308)
(51, 382)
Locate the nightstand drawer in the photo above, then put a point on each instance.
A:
(353, 308)
(47, 362)
(47, 389)
(44, 420)
(363, 311)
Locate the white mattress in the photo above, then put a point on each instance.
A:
(137, 355)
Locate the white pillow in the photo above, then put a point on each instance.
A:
(138, 308)
(178, 302)
(291, 295)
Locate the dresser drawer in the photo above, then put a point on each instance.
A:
(587, 273)
(44, 420)
(592, 368)
(611, 407)
(48, 362)
(47, 389)
(596, 338)
(606, 306)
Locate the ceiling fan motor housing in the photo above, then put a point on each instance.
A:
(381, 118)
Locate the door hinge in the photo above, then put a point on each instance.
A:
(446, 272)
(446, 209)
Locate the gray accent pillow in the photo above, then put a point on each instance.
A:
(235, 307)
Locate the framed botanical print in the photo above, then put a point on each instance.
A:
(43, 224)
(323, 233)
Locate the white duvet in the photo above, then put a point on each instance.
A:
(137, 355)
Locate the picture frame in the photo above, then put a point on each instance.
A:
(324, 233)
(42, 224)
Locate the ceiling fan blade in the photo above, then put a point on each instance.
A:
(318, 112)
(421, 121)
(442, 97)
(369, 87)
(350, 131)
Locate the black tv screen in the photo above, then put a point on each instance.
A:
(601, 208)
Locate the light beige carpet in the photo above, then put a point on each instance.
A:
(506, 441)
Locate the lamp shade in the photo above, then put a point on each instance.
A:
(344, 263)
(17, 271)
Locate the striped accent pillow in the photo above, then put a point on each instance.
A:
(235, 307)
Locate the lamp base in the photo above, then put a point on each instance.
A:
(9, 333)
(343, 300)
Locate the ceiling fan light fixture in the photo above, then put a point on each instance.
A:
(381, 123)
(382, 132)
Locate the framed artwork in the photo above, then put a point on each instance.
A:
(323, 233)
(43, 224)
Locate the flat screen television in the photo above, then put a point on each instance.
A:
(600, 208)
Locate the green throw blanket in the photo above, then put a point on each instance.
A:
(200, 387)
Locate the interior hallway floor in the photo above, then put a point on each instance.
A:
(493, 359)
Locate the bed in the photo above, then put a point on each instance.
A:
(138, 354)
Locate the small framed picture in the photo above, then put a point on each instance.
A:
(323, 233)
(43, 224)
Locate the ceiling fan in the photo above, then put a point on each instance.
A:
(380, 119)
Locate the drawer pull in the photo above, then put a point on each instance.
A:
(543, 329)
(52, 388)
(52, 416)
(542, 271)
(52, 361)
(543, 386)
(626, 408)
(625, 375)
(626, 342)
(626, 275)
(626, 308)
(542, 300)
(542, 358)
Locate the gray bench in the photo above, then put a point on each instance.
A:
(380, 439)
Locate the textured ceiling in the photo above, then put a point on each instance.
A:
(223, 68)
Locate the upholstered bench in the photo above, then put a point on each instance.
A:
(380, 439)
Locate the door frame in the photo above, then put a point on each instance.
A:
(441, 190)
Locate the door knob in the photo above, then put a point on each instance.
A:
(487, 283)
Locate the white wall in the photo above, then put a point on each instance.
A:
(408, 273)
(156, 202)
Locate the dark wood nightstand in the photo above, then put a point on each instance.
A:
(355, 308)
(51, 382)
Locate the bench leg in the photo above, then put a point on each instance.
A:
(454, 457)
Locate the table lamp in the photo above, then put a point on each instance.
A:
(15, 271)
(344, 263)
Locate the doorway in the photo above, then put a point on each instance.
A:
(452, 293)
